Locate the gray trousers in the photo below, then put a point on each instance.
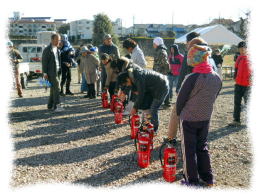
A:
(54, 97)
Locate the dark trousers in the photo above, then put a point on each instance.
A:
(103, 77)
(240, 92)
(65, 77)
(111, 89)
(54, 97)
(196, 159)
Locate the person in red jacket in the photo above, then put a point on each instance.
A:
(243, 82)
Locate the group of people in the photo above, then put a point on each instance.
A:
(194, 74)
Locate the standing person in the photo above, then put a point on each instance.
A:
(161, 63)
(77, 54)
(90, 65)
(175, 60)
(218, 59)
(50, 65)
(111, 49)
(67, 55)
(15, 58)
(194, 107)
(243, 84)
(185, 69)
(148, 84)
(94, 52)
(111, 78)
(137, 55)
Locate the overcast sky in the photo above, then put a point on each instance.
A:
(159, 11)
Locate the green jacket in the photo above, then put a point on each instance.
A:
(161, 63)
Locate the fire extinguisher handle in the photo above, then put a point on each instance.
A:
(135, 142)
(160, 153)
(129, 120)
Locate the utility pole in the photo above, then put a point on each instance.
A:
(133, 25)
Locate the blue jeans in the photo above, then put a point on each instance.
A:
(84, 86)
(156, 103)
(172, 83)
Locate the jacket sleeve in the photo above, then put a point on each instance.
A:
(140, 85)
(183, 73)
(117, 53)
(185, 91)
(165, 62)
(45, 61)
(140, 60)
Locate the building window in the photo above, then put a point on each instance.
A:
(87, 28)
(43, 26)
(20, 26)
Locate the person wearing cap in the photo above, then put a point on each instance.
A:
(194, 106)
(243, 82)
(218, 59)
(51, 63)
(15, 58)
(112, 50)
(90, 65)
(67, 55)
(161, 63)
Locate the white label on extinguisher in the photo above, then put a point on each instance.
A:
(170, 166)
(143, 142)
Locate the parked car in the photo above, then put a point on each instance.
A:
(32, 54)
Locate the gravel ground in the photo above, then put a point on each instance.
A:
(83, 145)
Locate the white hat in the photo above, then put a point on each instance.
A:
(158, 41)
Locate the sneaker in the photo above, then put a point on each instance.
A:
(58, 109)
(69, 93)
(235, 124)
(206, 184)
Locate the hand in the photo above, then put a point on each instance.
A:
(45, 76)
(122, 96)
(67, 64)
(133, 111)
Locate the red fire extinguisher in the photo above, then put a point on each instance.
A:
(112, 102)
(170, 162)
(143, 149)
(118, 110)
(135, 124)
(150, 130)
(104, 97)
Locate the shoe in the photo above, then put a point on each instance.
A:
(58, 109)
(20, 95)
(190, 184)
(206, 184)
(49, 107)
(69, 93)
(62, 94)
(235, 124)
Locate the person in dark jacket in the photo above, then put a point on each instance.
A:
(148, 84)
(218, 59)
(112, 50)
(194, 106)
(242, 77)
(50, 65)
(67, 55)
(174, 119)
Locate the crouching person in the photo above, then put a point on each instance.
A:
(147, 84)
(194, 106)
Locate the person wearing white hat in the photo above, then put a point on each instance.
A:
(15, 58)
(161, 63)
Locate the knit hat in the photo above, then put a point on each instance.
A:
(158, 41)
(197, 53)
